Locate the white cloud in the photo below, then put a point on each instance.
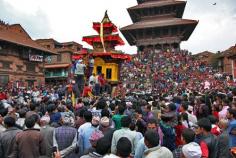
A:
(35, 22)
(70, 20)
(216, 28)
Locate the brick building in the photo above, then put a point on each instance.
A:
(204, 57)
(225, 60)
(232, 58)
(57, 67)
(21, 58)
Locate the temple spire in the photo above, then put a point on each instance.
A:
(106, 18)
(107, 38)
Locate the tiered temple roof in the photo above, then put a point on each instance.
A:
(178, 6)
(104, 44)
(115, 39)
(107, 25)
(159, 20)
(109, 37)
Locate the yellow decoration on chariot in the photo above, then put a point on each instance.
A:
(100, 66)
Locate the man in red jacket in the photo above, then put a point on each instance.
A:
(102, 82)
(2, 95)
(86, 91)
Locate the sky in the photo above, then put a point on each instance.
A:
(70, 20)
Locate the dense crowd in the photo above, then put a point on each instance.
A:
(168, 105)
(167, 72)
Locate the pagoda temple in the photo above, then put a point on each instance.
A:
(158, 24)
(107, 60)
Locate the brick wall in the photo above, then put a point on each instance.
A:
(227, 65)
(65, 57)
(49, 44)
(18, 72)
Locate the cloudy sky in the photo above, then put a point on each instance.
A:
(70, 20)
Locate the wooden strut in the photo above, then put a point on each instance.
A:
(132, 37)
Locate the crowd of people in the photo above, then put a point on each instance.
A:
(167, 72)
(171, 106)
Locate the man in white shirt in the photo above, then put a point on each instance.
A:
(91, 65)
(184, 109)
(80, 68)
(92, 80)
(124, 132)
(79, 72)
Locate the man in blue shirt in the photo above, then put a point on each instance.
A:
(231, 115)
(84, 135)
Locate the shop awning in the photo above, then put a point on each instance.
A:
(56, 66)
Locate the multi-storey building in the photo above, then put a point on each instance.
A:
(21, 58)
(204, 57)
(58, 67)
(227, 61)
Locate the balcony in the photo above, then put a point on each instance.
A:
(56, 74)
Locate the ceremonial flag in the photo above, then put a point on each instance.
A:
(73, 99)
(90, 95)
(101, 36)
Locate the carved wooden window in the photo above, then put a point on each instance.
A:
(19, 67)
(30, 67)
(157, 33)
(4, 79)
(174, 31)
(59, 58)
(165, 32)
(6, 64)
(108, 73)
